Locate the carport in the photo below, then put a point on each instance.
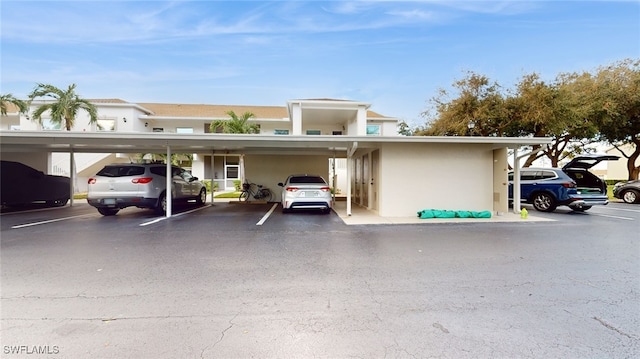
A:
(349, 147)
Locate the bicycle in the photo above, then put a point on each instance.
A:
(260, 193)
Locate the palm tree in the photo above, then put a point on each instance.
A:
(65, 108)
(6, 99)
(236, 124)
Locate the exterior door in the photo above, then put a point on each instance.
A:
(375, 157)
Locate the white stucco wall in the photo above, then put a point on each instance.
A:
(268, 170)
(435, 176)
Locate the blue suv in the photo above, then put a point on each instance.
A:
(572, 185)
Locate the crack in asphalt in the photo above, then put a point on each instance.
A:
(221, 336)
(611, 327)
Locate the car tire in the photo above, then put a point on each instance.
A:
(582, 209)
(631, 196)
(326, 211)
(202, 197)
(543, 202)
(161, 208)
(108, 211)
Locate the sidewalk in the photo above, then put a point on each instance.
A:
(360, 215)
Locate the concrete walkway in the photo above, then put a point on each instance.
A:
(360, 215)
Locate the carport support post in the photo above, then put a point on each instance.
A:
(516, 182)
(169, 180)
(350, 152)
(72, 173)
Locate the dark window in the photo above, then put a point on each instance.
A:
(159, 170)
(120, 171)
(306, 179)
(547, 174)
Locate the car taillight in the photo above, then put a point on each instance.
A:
(569, 185)
(325, 189)
(291, 189)
(91, 181)
(141, 180)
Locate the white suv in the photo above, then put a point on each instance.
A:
(121, 185)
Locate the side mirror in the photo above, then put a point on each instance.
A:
(193, 179)
(281, 184)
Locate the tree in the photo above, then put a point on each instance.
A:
(553, 110)
(477, 111)
(614, 104)
(64, 108)
(7, 99)
(235, 124)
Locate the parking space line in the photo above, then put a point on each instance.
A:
(608, 216)
(621, 209)
(160, 219)
(264, 218)
(51, 221)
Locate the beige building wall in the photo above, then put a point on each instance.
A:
(268, 170)
(414, 177)
(617, 170)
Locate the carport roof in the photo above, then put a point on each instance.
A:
(153, 142)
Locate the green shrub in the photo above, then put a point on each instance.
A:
(237, 185)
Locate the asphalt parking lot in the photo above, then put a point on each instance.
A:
(246, 281)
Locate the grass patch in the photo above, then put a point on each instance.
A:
(228, 195)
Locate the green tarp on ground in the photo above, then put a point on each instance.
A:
(443, 213)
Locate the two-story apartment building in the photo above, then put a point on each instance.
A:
(390, 174)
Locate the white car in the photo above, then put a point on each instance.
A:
(306, 192)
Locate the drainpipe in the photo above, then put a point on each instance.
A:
(169, 182)
(516, 179)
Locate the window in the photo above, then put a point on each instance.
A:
(337, 133)
(184, 129)
(280, 132)
(158, 129)
(373, 130)
(313, 132)
(106, 125)
(47, 125)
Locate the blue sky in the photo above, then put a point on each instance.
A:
(393, 54)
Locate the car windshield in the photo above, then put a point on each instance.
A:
(121, 171)
(306, 179)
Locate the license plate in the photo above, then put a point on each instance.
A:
(109, 201)
(309, 194)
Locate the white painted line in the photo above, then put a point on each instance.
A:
(621, 209)
(160, 219)
(50, 221)
(264, 218)
(616, 217)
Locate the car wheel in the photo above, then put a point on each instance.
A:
(544, 202)
(631, 196)
(161, 208)
(108, 211)
(202, 198)
(326, 211)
